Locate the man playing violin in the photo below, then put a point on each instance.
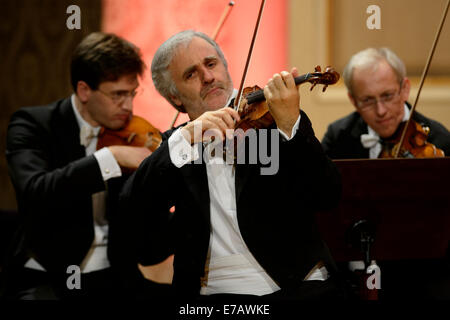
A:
(234, 231)
(379, 89)
(66, 189)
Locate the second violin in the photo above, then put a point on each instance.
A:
(415, 143)
(137, 133)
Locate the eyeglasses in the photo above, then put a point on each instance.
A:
(119, 97)
(386, 98)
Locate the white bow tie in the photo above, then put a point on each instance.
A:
(369, 140)
(87, 133)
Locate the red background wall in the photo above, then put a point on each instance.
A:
(148, 23)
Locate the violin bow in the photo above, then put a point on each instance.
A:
(422, 80)
(238, 99)
(225, 14)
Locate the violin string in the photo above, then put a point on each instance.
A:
(224, 17)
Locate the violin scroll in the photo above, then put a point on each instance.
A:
(330, 76)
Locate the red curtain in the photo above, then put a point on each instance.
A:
(148, 23)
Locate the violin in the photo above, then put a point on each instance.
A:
(137, 133)
(254, 112)
(253, 109)
(415, 144)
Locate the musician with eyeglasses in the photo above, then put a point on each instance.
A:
(67, 190)
(379, 89)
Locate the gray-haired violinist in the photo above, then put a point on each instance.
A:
(235, 231)
(379, 89)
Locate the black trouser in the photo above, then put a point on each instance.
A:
(30, 284)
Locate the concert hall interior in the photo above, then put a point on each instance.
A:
(389, 232)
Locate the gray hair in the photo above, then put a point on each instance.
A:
(370, 57)
(161, 76)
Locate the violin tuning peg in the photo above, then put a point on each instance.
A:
(324, 88)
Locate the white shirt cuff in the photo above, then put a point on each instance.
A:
(294, 129)
(180, 150)
(108, 164)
